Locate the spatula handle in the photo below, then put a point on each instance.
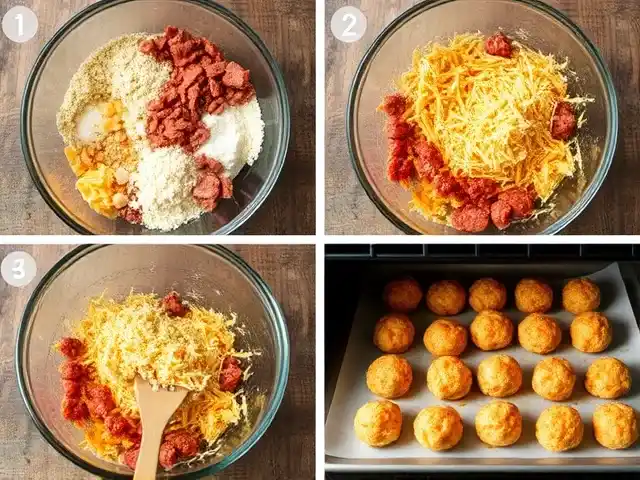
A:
(147, 464)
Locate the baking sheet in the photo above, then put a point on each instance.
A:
(351, 390)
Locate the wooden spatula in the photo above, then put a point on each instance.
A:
(156, 408)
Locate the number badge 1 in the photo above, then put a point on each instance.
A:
(20, 24)
(348, 24)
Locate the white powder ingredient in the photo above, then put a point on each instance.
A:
(165, 178)
(236, 136)
(90, 124)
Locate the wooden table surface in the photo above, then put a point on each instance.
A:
(286, 26)
(614, 26)
(286, 451)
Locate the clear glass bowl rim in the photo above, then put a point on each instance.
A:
(398, 22)
(282, 355)
(93, 9)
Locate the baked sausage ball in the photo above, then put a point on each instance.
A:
(499, 376)
(499, 424)
(554, 379)
(559, 428)
(491, 330)
(378, 423)
(389, 376)
(438, 428)
(533, 296)
(448, 378)
(446, 298)
(608, 377)
(487, 294)
(402, 295)
(615, 426)
(590, 332)
(394, 333)
(445, 337)
(580, 295)
(539, 333)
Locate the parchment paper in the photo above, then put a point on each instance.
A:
(352, 392)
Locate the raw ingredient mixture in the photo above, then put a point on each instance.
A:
(168, 343)
(157, 126)
(482, 131)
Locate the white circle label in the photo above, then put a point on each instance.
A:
(348, 24)
(18, 269)
(20, 24)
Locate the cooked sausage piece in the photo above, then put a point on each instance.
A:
(116, 425)
(72, 388)
(186, 443)
(72, 370)
(70, 347)
(563, 124)
(519, 200)
(499, 45)
(172, 304)
(99, 400)
(130, 457)
(230, 374)
(429, 160)
(394, 105)
(74, 409)
(470, 219)
(168, 455)
(501, 213)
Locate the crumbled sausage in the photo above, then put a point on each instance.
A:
(186, 443)
(99, 400)
(470, 219)
(172, 304)
(445, 183)
(116, 425)
(501, 213)
(235, 76)
(70, 347)
(72, 370)
(481, 188)
(168, 455)
(72, 388)
(519, 200)
(230, 375)
(429, 160)
(563, 124)
(130, 457)
(131, 215)
(499, 44)
(394, 105)
(74, 409)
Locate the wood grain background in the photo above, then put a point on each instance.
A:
(287, 450)
(286, 26)
(614, 26)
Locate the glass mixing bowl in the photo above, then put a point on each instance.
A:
(210, 276)
(94, 26)
(547, 29)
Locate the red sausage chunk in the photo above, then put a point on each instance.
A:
(501, 213)
(519, 200)
(230, 374)
(74, 409)
(130, 457)
(70, 347)
(499, 45)
(563, 124)
(116, 425)
(470, 219)
(168, 455)
(186, 443)
(172, 304)
(72, 370)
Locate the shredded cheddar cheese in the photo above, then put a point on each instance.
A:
(490, 116)
(137, 337)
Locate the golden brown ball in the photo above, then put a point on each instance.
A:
(445, 337)
(580, 295)
(499, 424)
(539, 333)
(591, 332)
(608, 378)
(438, 428)
(446, 298)
(615, 425)
(491, 330)
(559, 428)
(448, 378)
(533, 296)
(389, 376)
(487, 294)
(402, 295)
(378, 423)
(554, 379)
(394, 333)
(499, 376)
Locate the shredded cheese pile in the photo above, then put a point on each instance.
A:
(490, 116)
(137, 337)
